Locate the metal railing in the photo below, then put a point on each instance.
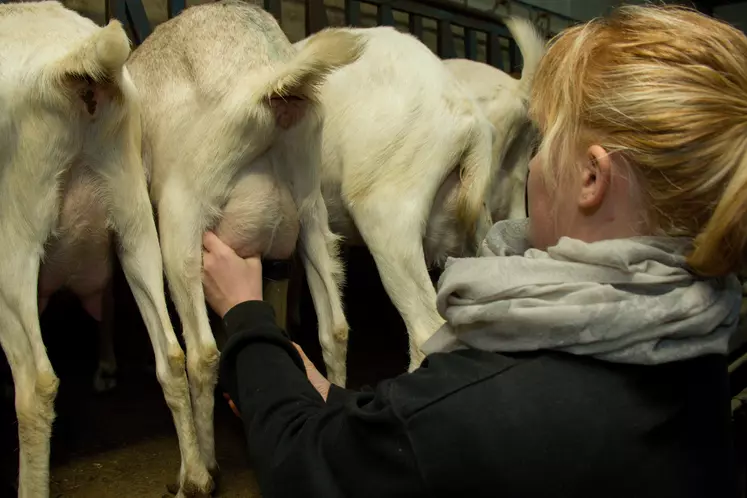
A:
(474, 30)
(445, 14)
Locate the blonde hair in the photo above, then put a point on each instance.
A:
(665, 87)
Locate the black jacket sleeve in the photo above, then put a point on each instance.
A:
(354, 446)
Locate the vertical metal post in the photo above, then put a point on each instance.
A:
(316, 16)
(470, 44)
(352, 12)
(132, 14)
(514, 56)
(494, 55)
(175, 7)
(384, 15)
(274, 7)
(416, 26)
(445, 45)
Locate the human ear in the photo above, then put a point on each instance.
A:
(595, 177)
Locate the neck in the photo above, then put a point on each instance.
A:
(609, 221)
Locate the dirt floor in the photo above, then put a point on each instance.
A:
(123, 443)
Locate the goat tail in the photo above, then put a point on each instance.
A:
(100, 57)
(302, 77)
(532, 46)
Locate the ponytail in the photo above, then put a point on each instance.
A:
(719, 248)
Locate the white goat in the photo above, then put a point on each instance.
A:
(412, 166)
(505, 100)
(231, 142)
(70, 173)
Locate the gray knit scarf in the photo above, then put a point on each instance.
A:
(626, 300)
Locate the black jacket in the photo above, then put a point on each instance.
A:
(472, 424)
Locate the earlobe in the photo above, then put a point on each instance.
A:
(596, 177)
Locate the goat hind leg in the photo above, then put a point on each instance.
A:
(105, 378)
(319, 252)
(35, 381)
(181, 225)
(396, 243)
(140, 255)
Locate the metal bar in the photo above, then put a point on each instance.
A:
(494, 55)
(274, 7)
(130, 13)
(384, 15)
(316, 16)
(485, 22)
(470, 44)
(463, 10)
(737, 363)
(138, 20)
(116, 9)
(541, 10)
(352, 12)
(514, 56)
(175, 7)
(416, 26)
(445, 44)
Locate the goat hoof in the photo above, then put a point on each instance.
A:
(191, 489)
(105, 379)
(215, 474)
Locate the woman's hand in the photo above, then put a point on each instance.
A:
(228, 279)
(320, 383)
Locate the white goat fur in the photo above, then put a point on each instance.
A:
(412, 166)
(504, 100)
(231, 142)
(71, 173)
